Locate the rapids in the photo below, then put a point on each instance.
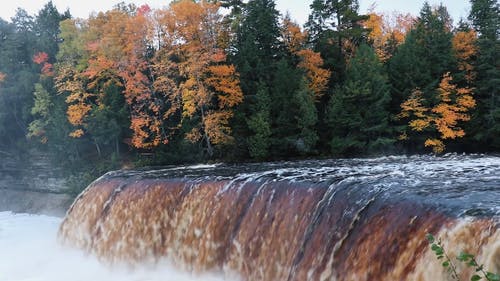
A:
(357, 219)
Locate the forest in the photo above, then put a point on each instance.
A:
(236, 81)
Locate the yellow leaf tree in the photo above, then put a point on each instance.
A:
(79, 101)
(464, 46)
(387, 31)
(439, 121)
(209, 86)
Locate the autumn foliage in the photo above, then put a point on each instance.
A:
(387, 31)
(187, 76)
(42, 58)
(442, 118)
(464, 45)
(238, 80)
(205, 87)
(310, 61)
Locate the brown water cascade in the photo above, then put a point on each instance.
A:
(316, 220)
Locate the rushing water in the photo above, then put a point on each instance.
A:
(465, 185)
(358, 219)
(29, 252)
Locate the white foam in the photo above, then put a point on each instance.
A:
(29, 252)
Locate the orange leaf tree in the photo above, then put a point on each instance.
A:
(439, 121)
(464, 46)
(310, 61)
(208, 86)
(118, 53)
(69, 80)
(387, 31)
(168, 65)
(90, 82)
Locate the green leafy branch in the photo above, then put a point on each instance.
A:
(468, 259)
(438, 249)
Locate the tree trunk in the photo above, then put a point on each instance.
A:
(210, 149)
(97, 148)
(117, 147)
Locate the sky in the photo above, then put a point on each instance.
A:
(298, 9)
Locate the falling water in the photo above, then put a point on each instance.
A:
(361, 219)
(29, 252)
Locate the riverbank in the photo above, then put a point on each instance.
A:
(31, 184)
(34, 202)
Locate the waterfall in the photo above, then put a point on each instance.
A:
(362, 219)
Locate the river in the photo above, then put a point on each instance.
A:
(355, 219)
(29, 251)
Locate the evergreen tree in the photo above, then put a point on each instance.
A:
(286, 83)
(257, 50)
(420, 63)
(231, 23)
(16, 52)
(408, 69)
(358, 113)
(485, 125)
(46, 38)
(293, 112)
(259, 125)
(46, 29)
(335, 29)
(424, 57)
(304, 136)
(22, 40)
(258, 46)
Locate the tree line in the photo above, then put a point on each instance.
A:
(237, 81)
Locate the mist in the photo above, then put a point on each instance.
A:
(29, 251)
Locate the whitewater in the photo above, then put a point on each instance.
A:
(29, 251)
(343, 219)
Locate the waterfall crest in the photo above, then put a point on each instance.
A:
(316, 220)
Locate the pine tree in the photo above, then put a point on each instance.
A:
(336, 29)
(16, 53)
(424, 57)
(47, 31)
(257, 51)
(231, 23)
(285, 84)
(293, 112)
(305, 136)
(259, 125)
(485, 126)
(358, 115)
(419, 63)
(258, 46)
